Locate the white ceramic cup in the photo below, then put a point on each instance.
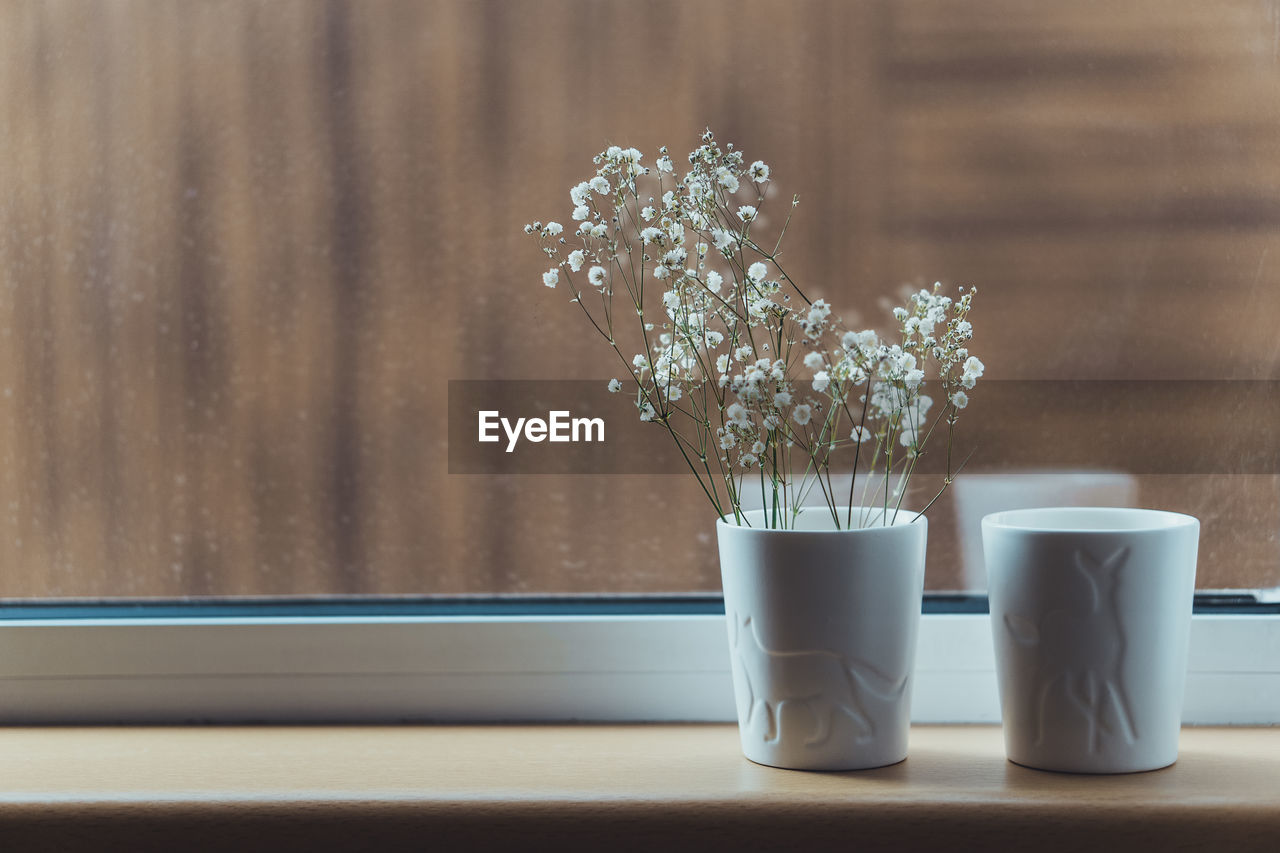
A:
(1090, 614)
(822, 636)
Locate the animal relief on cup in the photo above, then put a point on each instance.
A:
(820, 684)
(1088, 675)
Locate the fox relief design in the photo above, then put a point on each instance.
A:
(822, 684)
(1079, 646)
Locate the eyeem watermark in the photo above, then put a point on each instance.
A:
(559, 426)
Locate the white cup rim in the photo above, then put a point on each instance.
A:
(1088, 519)
(757, 517)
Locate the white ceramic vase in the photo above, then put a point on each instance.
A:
(822, 636)
(1090, 614)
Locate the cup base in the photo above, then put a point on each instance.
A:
(819, 767)
(1079, 771)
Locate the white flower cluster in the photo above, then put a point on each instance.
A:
(722, 329)
(891, 377)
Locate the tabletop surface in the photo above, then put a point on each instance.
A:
(955, 783)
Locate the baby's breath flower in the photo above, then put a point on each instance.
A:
(758, 171)
(819, 311)
(801, 414)
(959, 399)
(757, 271)
(727, 179)
(579, 194)
(580, 213)
(599, 230)
(860, 433)
(600, 185)
(575, 259)
(614, 386)
(865, 341)
(747, 213)
(782, 399)
(665, 164)
(972, 372)
(554, 228)
(551, 277)
(648, 213)
(814, 361)
(598, 276)
(820, 381)
(714, 280)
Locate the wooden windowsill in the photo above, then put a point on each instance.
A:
(604, 788)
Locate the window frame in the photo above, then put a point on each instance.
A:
(585, 660)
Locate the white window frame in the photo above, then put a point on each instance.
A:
(510, 668)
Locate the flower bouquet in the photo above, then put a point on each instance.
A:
(760, 387)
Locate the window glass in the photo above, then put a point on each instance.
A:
(244, 247)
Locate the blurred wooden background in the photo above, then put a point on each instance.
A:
(244, 245)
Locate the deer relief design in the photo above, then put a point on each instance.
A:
(824, 682)
(1081, 648)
